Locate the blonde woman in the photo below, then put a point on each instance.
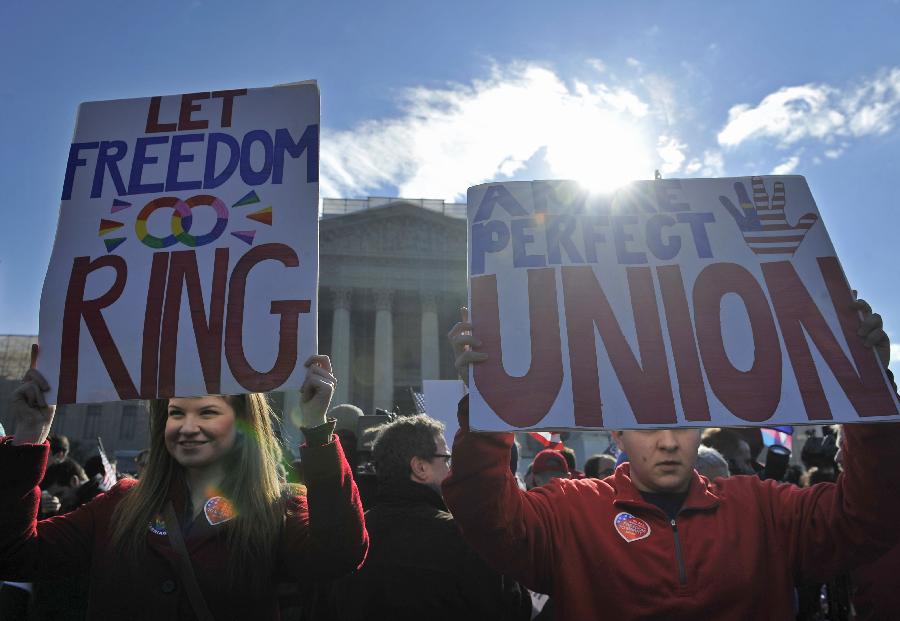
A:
(209, 530)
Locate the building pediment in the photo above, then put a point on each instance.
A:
(398, 230)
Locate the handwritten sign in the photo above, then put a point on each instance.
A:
(186, 253)
(700, 302)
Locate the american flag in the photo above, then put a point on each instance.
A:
(109, 471)
(418, 401)
(778, 435)
(549, 440)
(772, 236)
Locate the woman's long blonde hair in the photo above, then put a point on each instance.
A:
(252, 485)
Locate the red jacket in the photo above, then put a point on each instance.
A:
(734, 551)
(322, 540)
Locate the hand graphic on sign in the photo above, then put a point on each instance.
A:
(763, 222)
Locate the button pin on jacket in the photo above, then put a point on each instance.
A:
(631, 528)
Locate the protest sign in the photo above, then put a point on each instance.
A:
(186, 253)
(441, 399)
(700, 302)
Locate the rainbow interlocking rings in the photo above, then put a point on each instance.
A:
(181, 221)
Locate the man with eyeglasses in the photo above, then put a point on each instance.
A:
(419, 566)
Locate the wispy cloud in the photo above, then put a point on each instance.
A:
(447, 139)
(787, 166)
(818, 112)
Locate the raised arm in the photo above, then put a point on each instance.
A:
(325, 534)
(515, 531)
(30, 549)
(831, 528)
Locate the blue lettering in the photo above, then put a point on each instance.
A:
(620, 238)
(520, 239)
(210, 179)
(559, 232)
(176, 158)
(666, 190)
(498, 195)
(73, 163)
(697, 221)
(592, 237)
(250, 176)
(111, 151)
(660, 249)
(487, 237)
(308, 142)
(135, 186)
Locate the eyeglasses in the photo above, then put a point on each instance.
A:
(444, 455)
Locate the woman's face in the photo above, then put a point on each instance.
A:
(200, 430)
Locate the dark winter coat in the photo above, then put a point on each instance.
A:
(419, 567)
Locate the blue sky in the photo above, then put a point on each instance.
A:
(423, 99)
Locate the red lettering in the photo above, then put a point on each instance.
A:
(289, 310)
(750, 395)
(227, 98)
(156, 293)
(684, 344)
(520, 401)
(648, 387)
(188, 107)
(77, 308)
(799, 317)
(153, 124)
(183, 272)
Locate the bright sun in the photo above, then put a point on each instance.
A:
(600, 153)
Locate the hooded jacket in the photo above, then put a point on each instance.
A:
(734, 551)
(323, 537)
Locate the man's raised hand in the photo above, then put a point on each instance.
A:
(462, 341)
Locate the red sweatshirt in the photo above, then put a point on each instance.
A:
(324, 537)
(734, 551)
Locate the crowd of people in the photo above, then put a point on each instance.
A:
(392, 522)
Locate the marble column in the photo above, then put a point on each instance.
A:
(383, 392)
(340, 344)
(430, 352)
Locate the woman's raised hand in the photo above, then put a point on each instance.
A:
(316, 392)
(29, 407)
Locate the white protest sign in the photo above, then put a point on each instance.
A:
(698, 302)
(186, 253)
(441, 399)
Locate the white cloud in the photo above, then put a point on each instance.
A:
(711, 164)
(671, 152)
(447, 139)
(895, 353)
(818, 112)
(787, 166)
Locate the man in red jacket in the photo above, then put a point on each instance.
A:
(657, 540)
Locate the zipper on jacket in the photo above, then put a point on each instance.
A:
(682, 576)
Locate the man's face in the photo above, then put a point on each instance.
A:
(662, 460)
(437, 467)
(67, 494)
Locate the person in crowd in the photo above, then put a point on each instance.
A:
(816, 475)
(732, 447)
(794, 474)
(140, 462)
(548, 465)
(209, 530)
(599, 466)
(710, 463)
(69, 483)
(659, 541)
(59, 448)
(419, 566)
(571, 461)
(346, 416)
